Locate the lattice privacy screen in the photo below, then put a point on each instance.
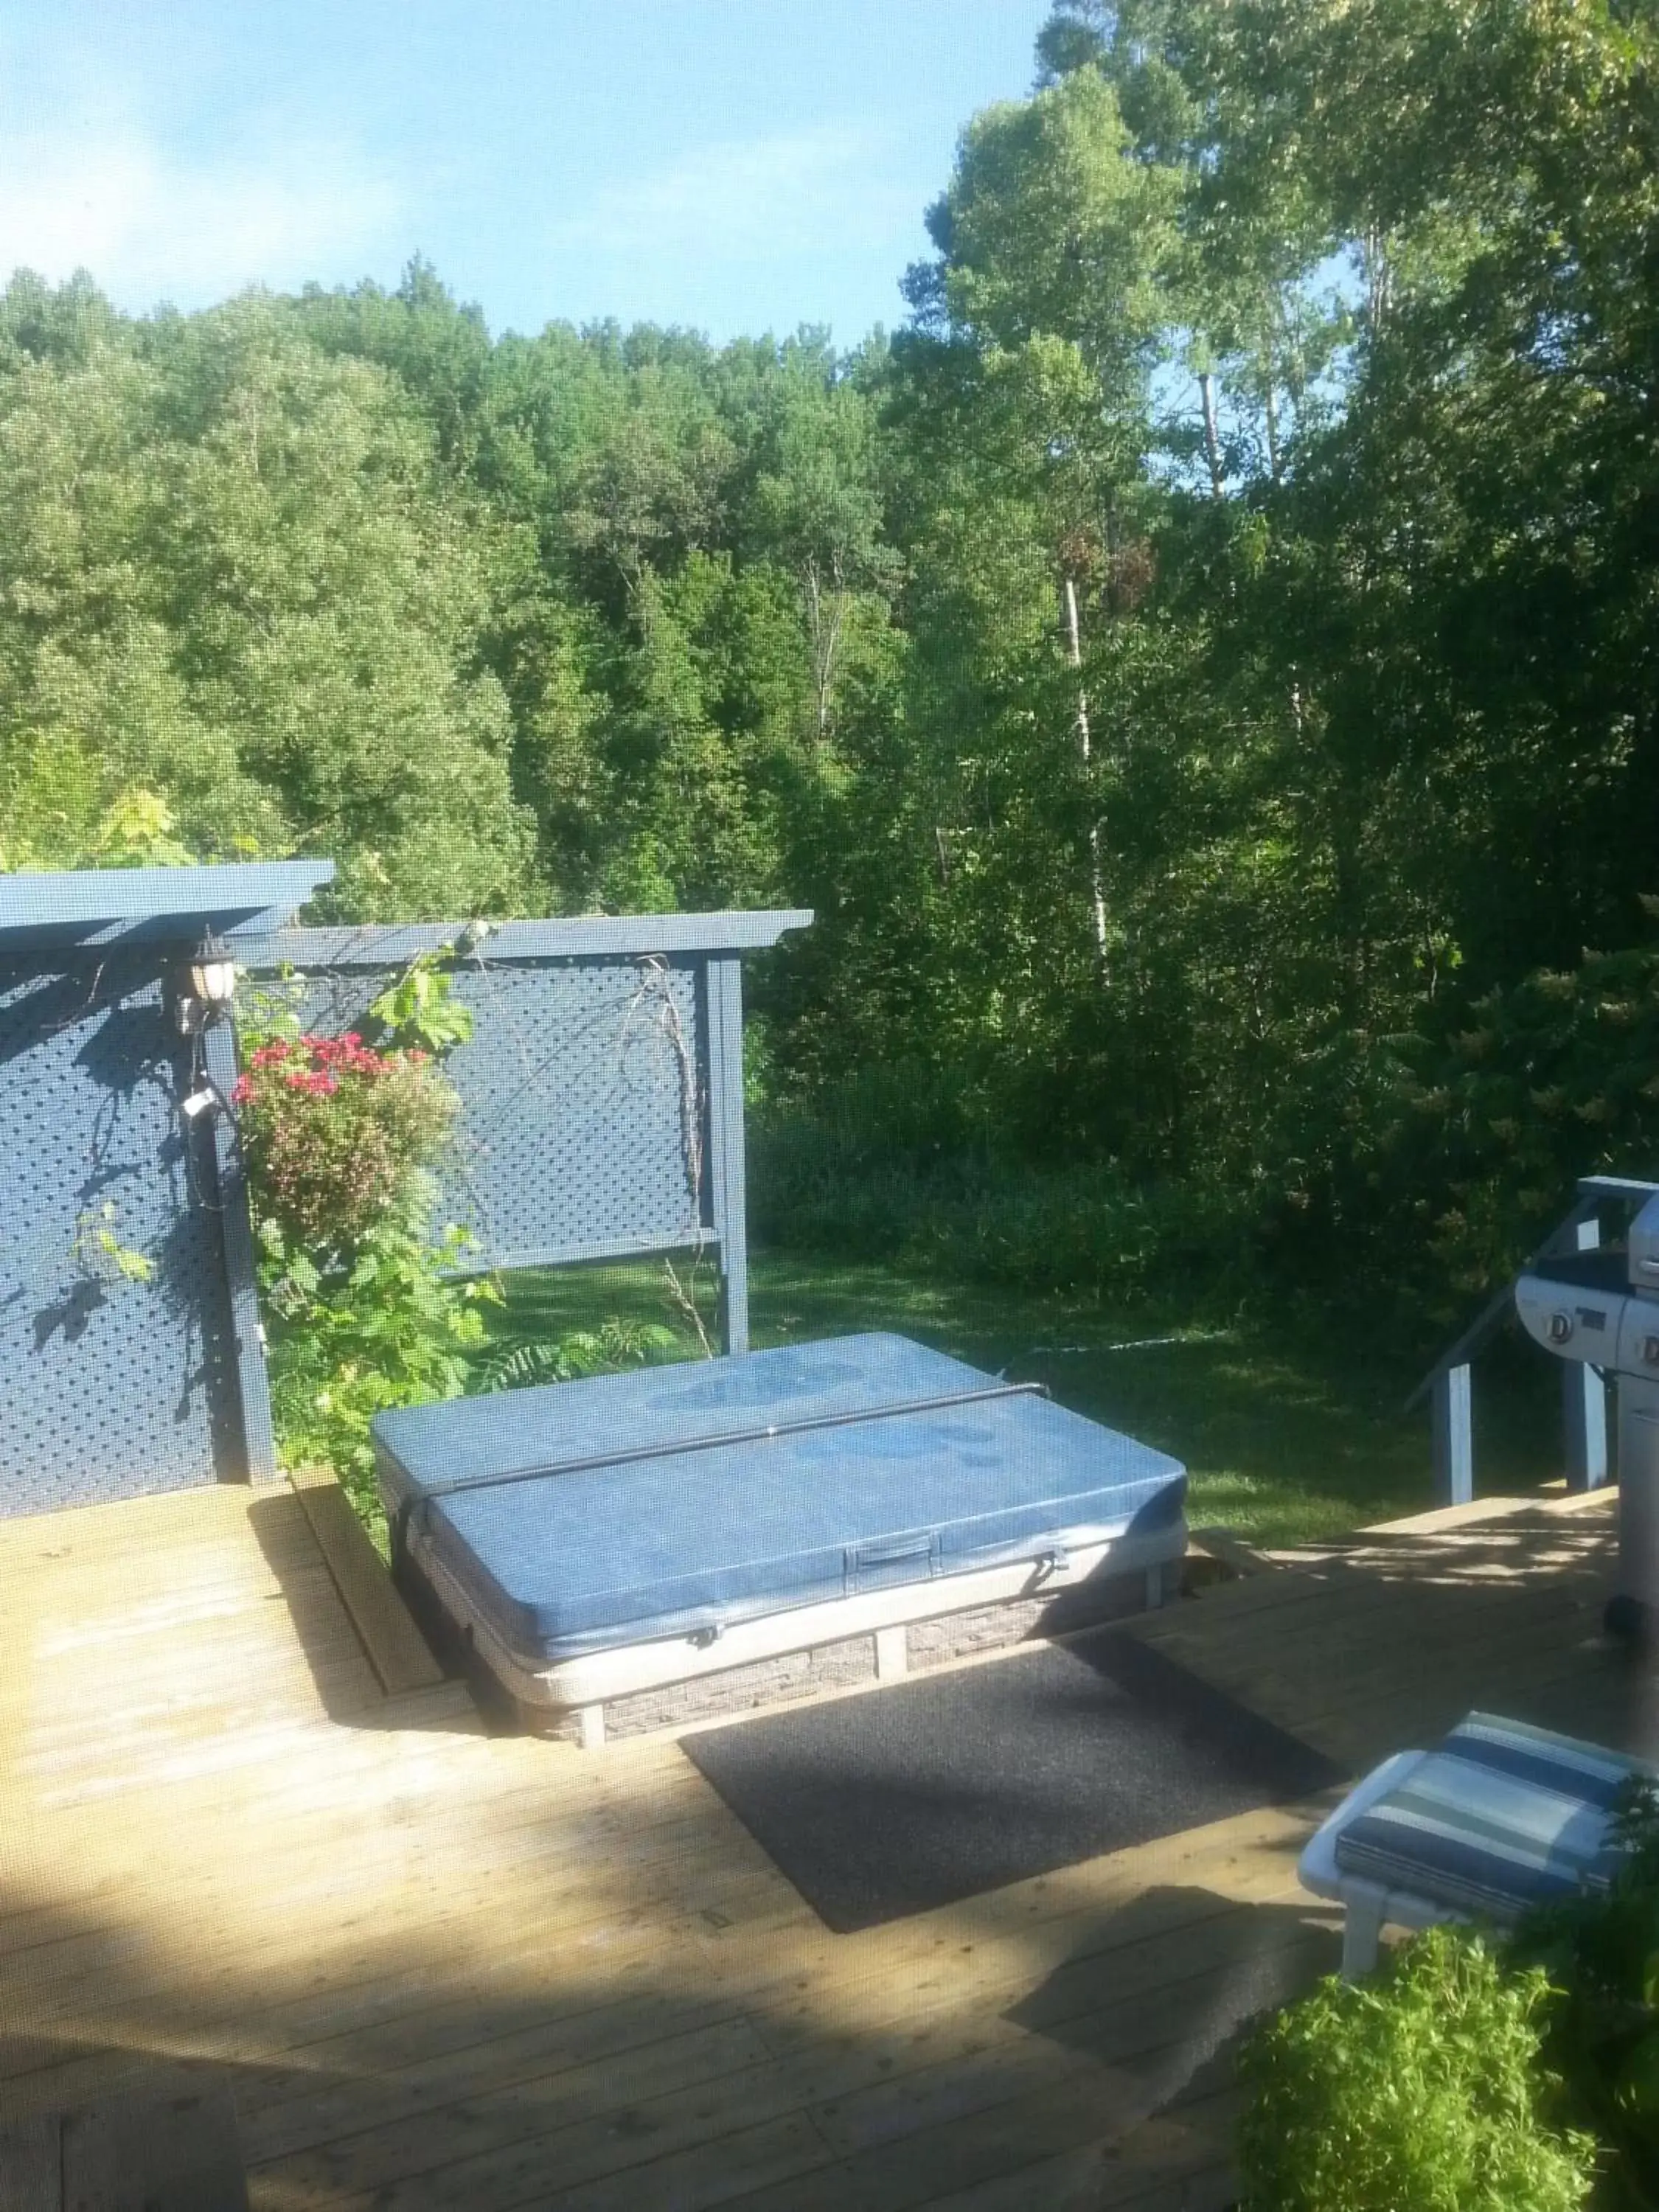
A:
(109, 1387)
(585, 1093)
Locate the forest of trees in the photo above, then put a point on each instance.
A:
(1203, 668)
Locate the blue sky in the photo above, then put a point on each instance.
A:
(736, 165)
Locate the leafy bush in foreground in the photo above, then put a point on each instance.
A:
(1599, 1951)
(1418, 2089)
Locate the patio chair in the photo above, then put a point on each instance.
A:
(1499, 1817)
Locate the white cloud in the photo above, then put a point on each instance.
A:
(152, 226)
(744, 197)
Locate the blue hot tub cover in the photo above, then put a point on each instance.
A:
(673, 1500)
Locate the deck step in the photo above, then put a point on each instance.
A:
(397, 1650)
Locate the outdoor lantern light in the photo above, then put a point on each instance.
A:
(205, 990)
(213, 974)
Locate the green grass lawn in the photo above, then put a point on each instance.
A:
(1291, 1431)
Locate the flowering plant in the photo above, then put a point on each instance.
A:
(335, 1132)
(339, 1137)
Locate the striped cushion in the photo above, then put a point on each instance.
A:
(1500, 1817)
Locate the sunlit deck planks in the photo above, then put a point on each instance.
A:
(1388, 1637)
(438, 1968)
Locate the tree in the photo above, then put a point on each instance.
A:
(816, 510)
(232, 578)
(1053, 240)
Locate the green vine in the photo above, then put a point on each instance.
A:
(419, 1010)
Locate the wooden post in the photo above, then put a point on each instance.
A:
(1584, 1396)
(1454, 1436)
(724, 1022)
(236, 1228)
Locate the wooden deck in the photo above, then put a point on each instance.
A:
(438, 1968)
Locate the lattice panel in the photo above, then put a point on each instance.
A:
(107, 1388)
(584, 1090)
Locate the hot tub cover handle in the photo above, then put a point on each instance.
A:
(881, 1560)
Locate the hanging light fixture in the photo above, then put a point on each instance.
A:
(204, 992)
(213, 976)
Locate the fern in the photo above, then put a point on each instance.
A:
(519, 1362)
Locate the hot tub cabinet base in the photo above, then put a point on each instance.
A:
(579, 1690)
(589, 1541)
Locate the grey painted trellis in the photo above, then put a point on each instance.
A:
(602, 1118)
(110, 1388)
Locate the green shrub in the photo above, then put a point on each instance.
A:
(1487, 1129)
(1599, 1951)
(1419, 2089)
(519, 1362)
(359, 1311)
(383, 1326)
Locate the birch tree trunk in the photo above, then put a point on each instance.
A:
(1074, 655)
(1211, 433)
(1379, 278)
(824, 623)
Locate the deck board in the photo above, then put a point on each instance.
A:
(439, 1967)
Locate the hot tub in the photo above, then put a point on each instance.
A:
(594, 1537)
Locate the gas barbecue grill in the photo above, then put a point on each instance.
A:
(1602, 1308)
